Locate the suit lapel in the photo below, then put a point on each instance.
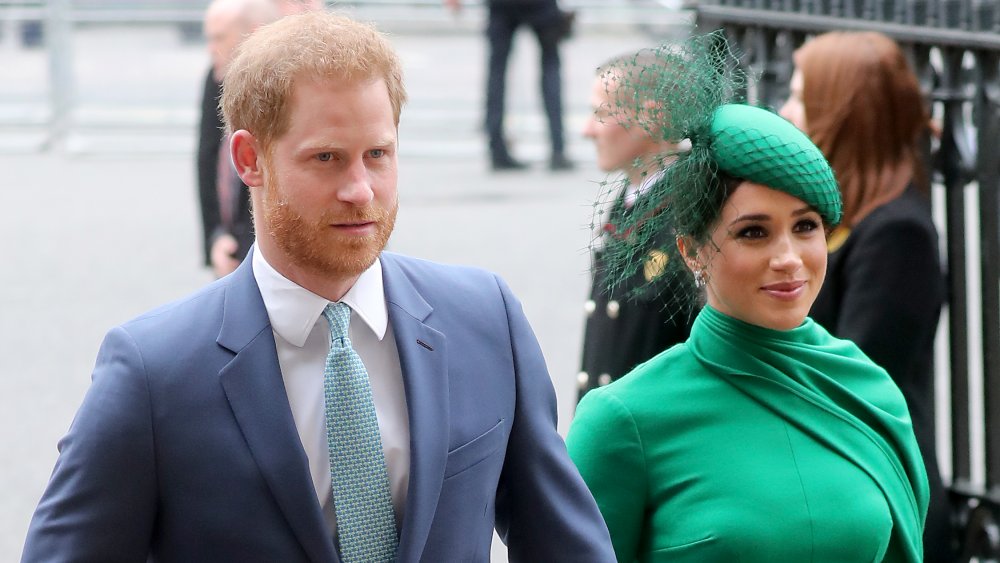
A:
(422, 357)
(256, 392)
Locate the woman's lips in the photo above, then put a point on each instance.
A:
(787, 291)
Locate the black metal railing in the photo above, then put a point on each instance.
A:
(955, 49)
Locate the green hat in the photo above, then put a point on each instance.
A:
(695, 85)
(756, 145)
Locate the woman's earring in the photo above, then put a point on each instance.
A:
(699, 279)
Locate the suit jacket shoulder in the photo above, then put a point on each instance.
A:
(437, 277)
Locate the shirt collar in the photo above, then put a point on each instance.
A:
(293, 309)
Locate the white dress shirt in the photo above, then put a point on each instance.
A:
(634, 192)
(302, 339)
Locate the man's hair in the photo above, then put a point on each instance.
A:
(319, 45)
(864, 110)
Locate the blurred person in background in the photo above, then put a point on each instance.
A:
(549, 25)
(226, 234)
(227, 228)
(292, 7)
(856, 96)
(624, 325)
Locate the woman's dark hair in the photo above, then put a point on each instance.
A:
(721, 186)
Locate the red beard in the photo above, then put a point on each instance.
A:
(314, 245)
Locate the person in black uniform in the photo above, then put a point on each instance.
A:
(209, 139)
(625, 328)
(548, 23)
(856, 95)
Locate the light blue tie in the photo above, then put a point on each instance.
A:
(366, 523)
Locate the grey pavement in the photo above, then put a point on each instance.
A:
(103, 224)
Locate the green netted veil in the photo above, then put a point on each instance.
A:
(694, 88)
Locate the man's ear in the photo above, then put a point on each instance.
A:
(247, 157)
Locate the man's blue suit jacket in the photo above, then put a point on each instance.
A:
(185, 450)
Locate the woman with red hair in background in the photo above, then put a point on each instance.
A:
(856, 96)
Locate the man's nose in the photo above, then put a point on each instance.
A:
(357, 187)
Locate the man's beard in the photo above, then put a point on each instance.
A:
(316, 246)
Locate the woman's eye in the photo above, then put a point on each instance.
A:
(324, 156)
(752, 232)
(806, 225)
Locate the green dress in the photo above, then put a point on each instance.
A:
(754, 445)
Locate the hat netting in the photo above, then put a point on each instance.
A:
(684, 94)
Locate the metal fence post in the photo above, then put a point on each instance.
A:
(59, 34)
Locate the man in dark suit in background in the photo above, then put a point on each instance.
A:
(548, 23)
(327, 401)
(227, 230)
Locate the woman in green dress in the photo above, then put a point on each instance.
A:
(761, 438)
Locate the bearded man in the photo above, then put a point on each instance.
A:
(327, 401)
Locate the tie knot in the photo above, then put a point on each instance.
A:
(338, 315)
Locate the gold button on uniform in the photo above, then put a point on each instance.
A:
(655, 265)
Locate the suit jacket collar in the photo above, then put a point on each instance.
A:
(254, 387)
(423, 359)
(253, 384)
